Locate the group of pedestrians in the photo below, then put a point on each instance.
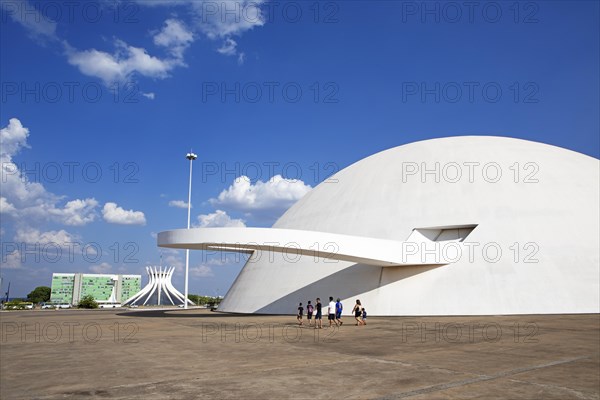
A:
(334, 313)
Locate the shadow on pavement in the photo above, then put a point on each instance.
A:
(184, 314)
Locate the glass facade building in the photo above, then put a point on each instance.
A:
(105, 288)
(130, 285)
(62, 288)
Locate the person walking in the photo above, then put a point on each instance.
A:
(338, 311)
(331, 312)
(299, 315)
(357, 310)
(364, 316)
(319, 316)
(309, 313)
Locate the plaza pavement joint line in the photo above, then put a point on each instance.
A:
(482, 378)
(574, 392)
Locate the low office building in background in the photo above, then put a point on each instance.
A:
(69, 288)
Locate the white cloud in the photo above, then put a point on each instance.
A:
(36, 24)
(126, 60)
(76, 212)
(220, 20)
(6, 207)
(122, 64)
(114, 214)
(155, 3)
(172, 258)
(223, 258)
(241, 58)
(12, 260)
(178, 204)
(25, 199)
(102, 268)
(174, 261)
(219, 219)
(216, 20)
(60, 238)
(175, 36)
(17, 188)
(202, 271)
(150, 95)
(228, 17)
(267, 199)
(228, 47)
(13, 138)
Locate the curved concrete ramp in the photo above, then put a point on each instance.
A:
(295, 243)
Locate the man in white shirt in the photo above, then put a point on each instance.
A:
(331, 312)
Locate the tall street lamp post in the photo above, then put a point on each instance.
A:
(190, 156)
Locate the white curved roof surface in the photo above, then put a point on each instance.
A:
(294, 243)
(454, 226)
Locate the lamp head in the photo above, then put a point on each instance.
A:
(191, 156)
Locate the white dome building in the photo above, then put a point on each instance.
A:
(453, 226)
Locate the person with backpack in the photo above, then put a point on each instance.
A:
(309, 313)
(338, 311)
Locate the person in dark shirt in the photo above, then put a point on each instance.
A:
(357, 310)
(299, 315)
(319, 315)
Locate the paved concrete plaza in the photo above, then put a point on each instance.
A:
(178, 354)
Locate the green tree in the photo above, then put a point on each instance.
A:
(39, 294)
(194, 298)
(203, 300)
(212, 301)
(87, 302)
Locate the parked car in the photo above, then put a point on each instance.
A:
(46, 306)
(110, 305)
(63, 305)
(18, 305)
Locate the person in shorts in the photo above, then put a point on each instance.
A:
(357, 310)
(299, 315)
(338, 311)
(364, 316)
(319, 315)
(331, 312)
(309, 313)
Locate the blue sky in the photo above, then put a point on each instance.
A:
(100, 102)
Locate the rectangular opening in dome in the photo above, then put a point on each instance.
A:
(454, 233)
